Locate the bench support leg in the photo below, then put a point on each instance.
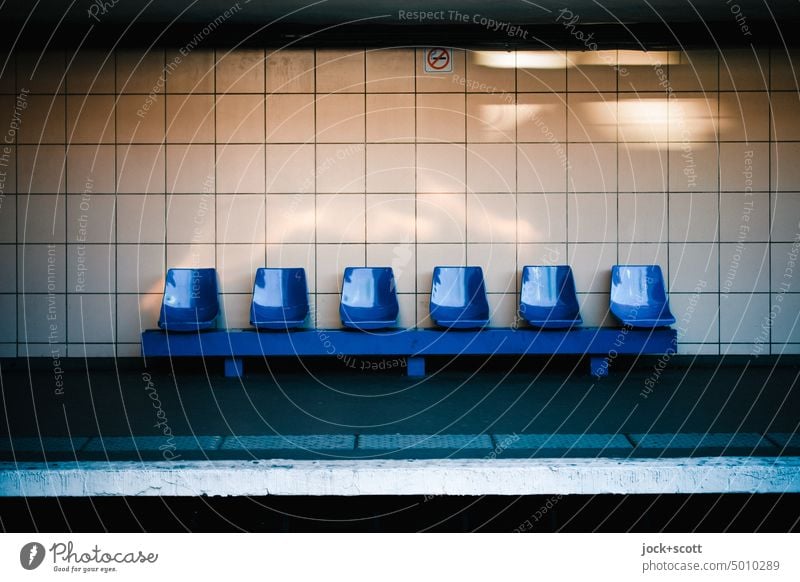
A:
(599, 366)
(234, 367)
(415, 366)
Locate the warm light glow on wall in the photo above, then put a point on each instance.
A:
(559, 60)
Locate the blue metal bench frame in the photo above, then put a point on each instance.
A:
(602, 345)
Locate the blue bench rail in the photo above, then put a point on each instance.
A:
(600, 344)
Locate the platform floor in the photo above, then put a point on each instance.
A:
(162, 418)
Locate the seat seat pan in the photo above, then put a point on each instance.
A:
(462, 323)
(367, 325)
(278, 324)
(649, 323)
(555, 323)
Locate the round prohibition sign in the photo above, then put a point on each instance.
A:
(438, 58)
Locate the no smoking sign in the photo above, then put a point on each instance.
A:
(438, 60)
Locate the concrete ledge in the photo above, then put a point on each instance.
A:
(389, 477)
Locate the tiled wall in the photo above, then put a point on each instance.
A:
(126, 163)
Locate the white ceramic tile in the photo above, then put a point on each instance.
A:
(697, 316)
(541, 217)
(441, 168)
(8, 219)
(240, 118)
(190, 169)
(341, 218)
(235, 310)
(785, 107)
(592, 218)
(693, 117)
(693, 268)
(144, 218)
(90, 71)
(643, 218)
(592, 167)
(340, 168)
(484, 76)
(140, 169)
(744, 216)
(331, 262)
(390, 168)
(290, 168)
(190, 118)
(240, 71)
(643, 117)
(135, 314)
(290, 71)
(41, 169)
(491, 168)
(695, 71)
(694, 168)
(542, 167)
(91, 318)
(644, 254)
(140, 268)
(744, 267)
(194, 256)
(744, 69)
(401, 258)
(782, 69)
(236, 266)
(390, 70)
(745, 116)
(290, 118)
(592, 70)
(139, 71)
(90, 169)
(785, 216)
(135, 124)
(90, 118)
(744, 166)
(783, 267)
(192, 72)
(190, 219)
(741, 316)
(42, 318)
(390, 117)
(541, 254)
(91, 268)
(543, 71)
(594, 310)
(591, 265)
(498, 262)
(693, 217)
(8, 264)
(784, 169)
(391, 218)
(240, 218)
(44, 120)
(240, 169)
(441, 118)
(491, 218)
(326, 311)
(592, 117)
(502, 309)
(441, 218)
(8, 324)
(340, 71)
(91, 218)
(541, 117)
(294, 255)
(290, 219)
(786, 325)
(491, 118)
(41, 219)
(643, 167)
(41, 268)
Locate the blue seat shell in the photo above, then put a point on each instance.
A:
(458, 298)
(280, 298)
(548, 298)
(369, 298)
(190, 301)
(639, 296)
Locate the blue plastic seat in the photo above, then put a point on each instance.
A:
(369, 298)
(190, 300)
(458, 298)
(280, 299)
(639, 297)
(548, 298)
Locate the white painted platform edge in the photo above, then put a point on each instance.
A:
(403, 477)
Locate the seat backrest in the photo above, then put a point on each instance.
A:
(190, 295)
(369, 293)
(461, 289)
(638, 292)
(281, 287)
(548, 286)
